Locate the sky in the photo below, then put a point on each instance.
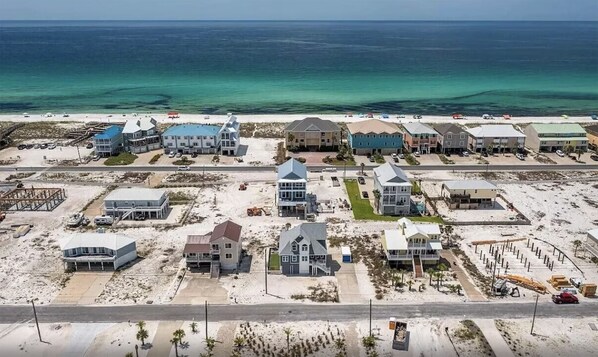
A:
(535, 10)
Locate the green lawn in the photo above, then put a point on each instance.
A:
(362, 210)
(274, 263)
(124, 158)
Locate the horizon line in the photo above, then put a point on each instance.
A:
(282, 20)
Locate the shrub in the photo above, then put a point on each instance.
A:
(301, 160)
(155, 158)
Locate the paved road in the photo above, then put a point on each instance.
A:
(291, 312)
(574, 167)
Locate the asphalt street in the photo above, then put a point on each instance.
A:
(292, 312)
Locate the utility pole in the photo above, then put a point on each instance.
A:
(534, 318)
(266, 269)
(493, 275)
(370, 317)
(206, 312)
(136, 351)
(36, 322)
(78, 153)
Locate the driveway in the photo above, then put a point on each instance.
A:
(348, 288)
(468, 287)
(83, 288)
(199, 288)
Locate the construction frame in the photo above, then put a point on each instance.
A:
(32, 199)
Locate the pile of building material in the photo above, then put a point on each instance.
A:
(527, 283)
(32, 199)
(588, 290)
(559, 282)
(21, 230)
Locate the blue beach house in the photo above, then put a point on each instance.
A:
(192, 138)
(109, 142)
(374, 137)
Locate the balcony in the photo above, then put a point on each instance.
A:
(411, 256)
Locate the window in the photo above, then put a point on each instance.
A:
(285, 258)
(304, 259)
(215, 247)
(228, 245)
(304, 248)
(294, 259)
(294, 246)
(228, 256)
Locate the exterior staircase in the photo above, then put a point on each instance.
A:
(319, 265)
(417, 267)
(215, 270)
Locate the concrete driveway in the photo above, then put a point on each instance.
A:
(83, 288)
(348, 288)
(198, 288)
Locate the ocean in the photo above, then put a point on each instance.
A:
(523, 68)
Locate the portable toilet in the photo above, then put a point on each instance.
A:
(346, 252)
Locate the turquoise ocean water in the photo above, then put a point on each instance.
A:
(525, 68)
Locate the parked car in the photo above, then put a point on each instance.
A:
(89, 146)
(178, 154)
(576, 282)
(183, 168)
(21, 146)
(361, 180)
(393, 155)
(416, 154)
(485, 153)
(100, 220)
(365, 194)
(395, 159)
(43, 146)
(594, 157)
(36, 146)
(520, 156)
(560, 153)
(371, 158)
(29, 146)
(194, 155)
(401, 156)
(51, 146)
(172, 154)
(465, 153)
(565, 298)
(96, 157)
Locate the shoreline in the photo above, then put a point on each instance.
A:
(283, 118)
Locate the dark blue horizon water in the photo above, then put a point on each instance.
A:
(525, 68)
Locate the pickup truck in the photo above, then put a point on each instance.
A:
(565, 298)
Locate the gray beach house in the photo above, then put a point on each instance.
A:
(303, 250)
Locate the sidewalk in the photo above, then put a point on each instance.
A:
(494, 338)
(471, 291)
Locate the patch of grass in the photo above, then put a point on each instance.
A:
(281, 153)
(179, 197)
(19, 176)
(415, 189)
(411, 160)
(124, 158)
(336, 162)
(155, 159)
(274, 262)
(445, 160)
(363, 210)
(379, 159)
(183, 161)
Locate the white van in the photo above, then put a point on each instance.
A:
(100, 220)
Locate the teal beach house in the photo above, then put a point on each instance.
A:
(374, 137)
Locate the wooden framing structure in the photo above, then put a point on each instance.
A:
(32, 199)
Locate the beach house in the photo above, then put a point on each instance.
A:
(141, 135)
(415, 244)
(452, 138)
(374, 137)
(312, 134)
(97, 250)
(222, 247)
(137, 203)
(230, 137)
(495, 138)
(420, 137)
(395, 190)
(109, 142)
(303, 250)
(591, 242)
(291, 187)
(553, 137)
(468, 194)
(192, 138)
(592, 135)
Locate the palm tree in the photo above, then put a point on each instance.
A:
(179, 334)
(438, 275)
(568, 149)
(578, 151)
(142, 334)
(288, 332)
(430, 272)
(193, 327)
(458, 287)
(291, 141)
(141, 324)
(377, 196)
(239, 342)
(402, 272)
(129, 354)
(175, 341)
(409, 283)
(576, 243)
(362, 167)
(210, 345)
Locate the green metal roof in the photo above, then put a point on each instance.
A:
(559, 128)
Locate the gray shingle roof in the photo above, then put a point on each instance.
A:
(312, 124)
(448, 127)
(390, 173)
(315, 233)
(292, 170)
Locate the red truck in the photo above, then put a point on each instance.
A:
(565, 298)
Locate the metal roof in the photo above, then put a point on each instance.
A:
(593, 234)
(418, 128)
(495, 131)
(192, 130)
(109, 133)
(391, 174)
(292, 170)
(135, 194)
(373, 126)
(469, 185)
(561, 128)
(90, 240)
(135, 125)
(312, 124)
(394, 240)
(315, 233)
